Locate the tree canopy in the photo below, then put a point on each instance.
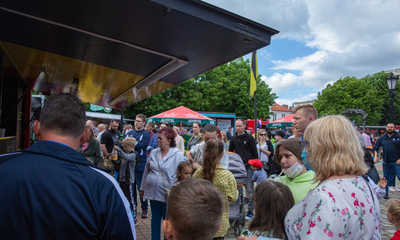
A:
(369, 93)
(224, 89)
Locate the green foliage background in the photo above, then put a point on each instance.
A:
(369, 93)
(224, 89)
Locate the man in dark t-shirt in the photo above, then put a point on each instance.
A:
(110, 138)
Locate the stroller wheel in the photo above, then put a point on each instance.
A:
(238, 229)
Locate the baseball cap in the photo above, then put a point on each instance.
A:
(280, 133)
(255, 163)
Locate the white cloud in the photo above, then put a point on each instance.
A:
(351, 38)
(264, 53)
(290, 101)
(289, 17)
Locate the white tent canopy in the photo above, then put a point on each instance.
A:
(106, 116)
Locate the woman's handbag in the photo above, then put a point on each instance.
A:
(265, 166)
(159, 169)
(374, 175)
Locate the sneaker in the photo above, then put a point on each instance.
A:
(246, 200)
(386, 196)
(392, 189)
(249, 216)
(145, 214)
(136, 221)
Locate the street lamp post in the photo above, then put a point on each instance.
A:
(392, 82)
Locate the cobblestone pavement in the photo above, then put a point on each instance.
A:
(387, 230)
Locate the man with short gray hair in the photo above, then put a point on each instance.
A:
(102, 128)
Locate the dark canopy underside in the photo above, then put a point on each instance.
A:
(100, 50)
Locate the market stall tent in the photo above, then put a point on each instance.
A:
(181, 114)
(281, 122)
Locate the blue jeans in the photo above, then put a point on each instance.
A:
(138, 182)
(390, 171)
(158, 213)
(116, 173)
(250, 187)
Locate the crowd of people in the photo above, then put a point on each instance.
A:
(318, 183)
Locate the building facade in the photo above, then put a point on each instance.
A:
(279, 111)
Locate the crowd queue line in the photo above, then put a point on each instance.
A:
(318, 183)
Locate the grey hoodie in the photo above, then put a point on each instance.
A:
(152, 185)
(127, 158)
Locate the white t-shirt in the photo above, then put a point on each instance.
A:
(261, 155)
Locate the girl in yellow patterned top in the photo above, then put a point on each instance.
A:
(222, 179)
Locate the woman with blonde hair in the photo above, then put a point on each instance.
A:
(264, 146)
(179, 140)
(343, 205)
(224, 141)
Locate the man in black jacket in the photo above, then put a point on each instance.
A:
(390, 143)
(245, 145)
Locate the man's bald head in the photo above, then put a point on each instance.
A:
(90, 122)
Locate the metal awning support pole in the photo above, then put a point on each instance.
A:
(122, 120)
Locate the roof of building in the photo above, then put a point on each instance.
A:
(277, 107)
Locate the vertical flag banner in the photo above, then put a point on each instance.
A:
(254, 73)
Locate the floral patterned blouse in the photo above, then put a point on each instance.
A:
(336, 209)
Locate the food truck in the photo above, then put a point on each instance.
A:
(110, 53)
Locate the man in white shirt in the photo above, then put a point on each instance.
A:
(102, 129)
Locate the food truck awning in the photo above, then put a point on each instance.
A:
(116, 53)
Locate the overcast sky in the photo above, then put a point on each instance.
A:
(321, 41)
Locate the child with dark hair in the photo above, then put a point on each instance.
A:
(222, 179)
(183, 172)
(272, 200)
(202, 219)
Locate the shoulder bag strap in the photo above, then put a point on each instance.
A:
(159, 169)
(365, 177)
(393, 145)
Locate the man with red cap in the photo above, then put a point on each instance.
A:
(259, 174)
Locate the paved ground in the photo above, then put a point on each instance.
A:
(143, 229)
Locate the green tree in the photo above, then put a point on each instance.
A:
(351, 92)
(378, 81)
(223, 89)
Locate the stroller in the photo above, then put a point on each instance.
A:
(236, 210)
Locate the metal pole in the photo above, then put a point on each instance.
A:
(255, 114)
(121, 127)
(392, 95)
